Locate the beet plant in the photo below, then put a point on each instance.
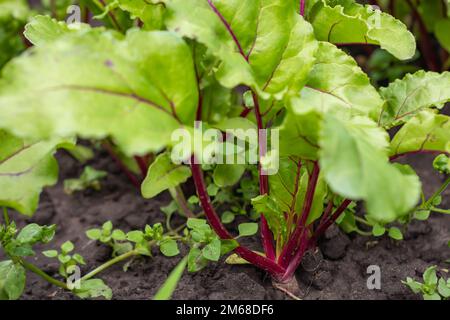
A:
(273, 67)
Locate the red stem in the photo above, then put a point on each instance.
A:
(302, 8)
(121, 165)
(325, 225)
(262, 262)
(296, 239)
(143, 165)
(266, 234)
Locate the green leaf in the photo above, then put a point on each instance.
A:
(78, 258)
(94, 234)
(33, 233)
(67, 247)
(363, 171)
(410, 95)
(415, 286)
(337, 85)
(150, 12)
(429, 276)
(26, 167)
(13, 16)
(50, 253)
(135, 236)
(433, 296)
(395, 233)
(344, 21)
(194, 223)
(90, 178)
(247, 229)
(228, 245)
(163, 174)
(264, 44)
(444, 37)
(12, 280)
(132, 84)
(43, 29)
(442, 163)
(228, 174)
(169, 248)
(272, 212)
(196, 261)
(227, 217)
(443, 288)
(93, 288)
(166, 290)
(378, 230)
(212, 250)
(118, 235)
(426, 131)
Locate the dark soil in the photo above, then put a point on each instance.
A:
(341, 274)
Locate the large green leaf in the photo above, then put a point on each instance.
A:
(338, 85)
(12, 280)
(163, 174)
(299, 133)
(100, 84)
(355, 165)
(415, 92)
(426, 131)
(345, 21)
(228, 174)
(25, 168)
(262, 43)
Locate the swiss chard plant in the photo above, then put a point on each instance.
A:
(157, 67)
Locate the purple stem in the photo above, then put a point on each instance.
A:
(260, 261)
(302, 7)
(266, 234)
(295, 240)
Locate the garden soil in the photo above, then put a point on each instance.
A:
(338, 271)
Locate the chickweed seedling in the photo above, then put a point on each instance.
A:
(432, 288)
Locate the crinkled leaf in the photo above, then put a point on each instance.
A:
(426, 131)
(12, 280)
(33, 233)
(355, 165)
(262, 43)
(26, 167)
(410, 95)
(43, 29)
(150, 12)
(345, 21)
(337, 85)
(134, 91)
(163, 174)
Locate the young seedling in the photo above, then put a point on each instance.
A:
(89, 179)
(432, 288)
(115, 238)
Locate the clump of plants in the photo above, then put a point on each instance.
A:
(158, 70)
(432, 288)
